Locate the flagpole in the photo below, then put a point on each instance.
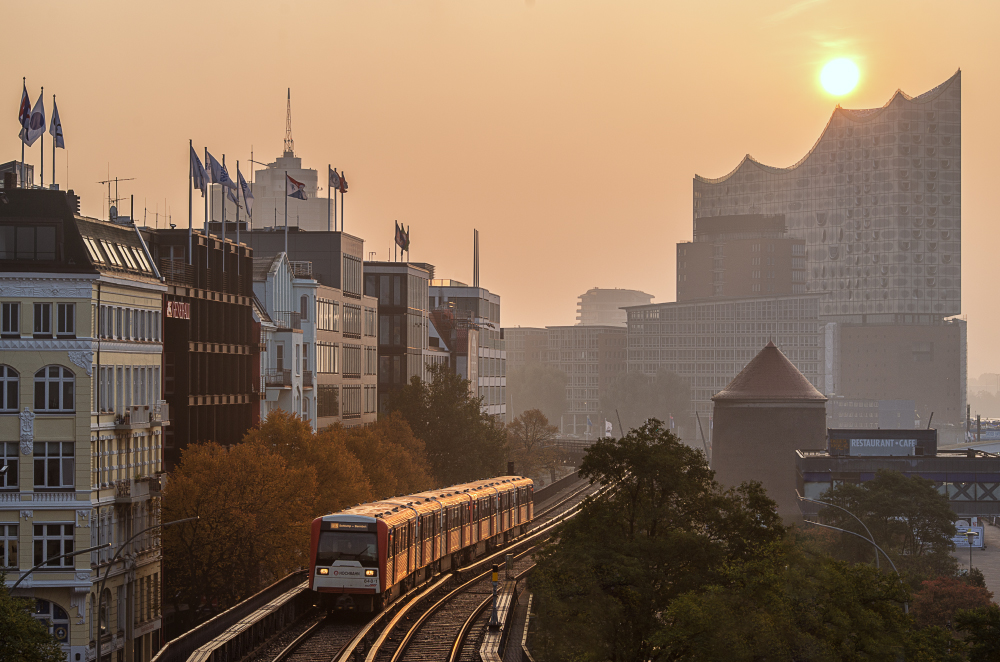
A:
(286, 214)
(53, 145)
(24, 171)
(341, 209)
(208, 195)
(41, 167)
(329, 224)
(222, 203)
(190, 196)
(238, 218)
(335, 207)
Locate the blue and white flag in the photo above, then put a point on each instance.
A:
(36, 124)
(217, 173)
(247, 193)
(55, 128)
(198, 175)
(589, 424)
(24, 112)
(607, 428)
(233, 196)
(295, 189)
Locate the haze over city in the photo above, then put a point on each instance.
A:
(566, 132)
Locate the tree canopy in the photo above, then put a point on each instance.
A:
(638, 397)
(22, 636)
(529, 443)
(462, 442)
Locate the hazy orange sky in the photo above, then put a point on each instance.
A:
(566, 131)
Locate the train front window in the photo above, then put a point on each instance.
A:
(344, 546)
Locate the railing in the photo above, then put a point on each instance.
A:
(160, 412)
(287, 319)
(307, 378)
(275, 377)
(301, 269)
(177, 271)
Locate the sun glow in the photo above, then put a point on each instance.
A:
(839, 76)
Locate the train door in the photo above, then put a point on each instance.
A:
(418, 543)
(410, 558)
(390, 561)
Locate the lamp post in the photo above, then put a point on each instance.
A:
(100, 590)
(906, 605)
(970, 535)
(56, 558)
(871, 538)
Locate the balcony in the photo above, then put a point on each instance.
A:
(301, 269)
(137, 489)
(307, 379)
(138, 416)
(287, 320)
(278, 378)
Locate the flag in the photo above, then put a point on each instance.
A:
(294, 189)
(247, 193)
(198, 175)
(589, 424)
(334, 180)
(233, 196)
(36, 124)
(400, 236)
(343, 183)
(406, 239)
(24, 114)
(217, 173)
(607, 428)
(55, 129)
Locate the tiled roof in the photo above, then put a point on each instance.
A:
(771, 377)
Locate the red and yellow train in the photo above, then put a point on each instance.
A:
(365, 557)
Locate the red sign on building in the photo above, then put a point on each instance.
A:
(179, 310)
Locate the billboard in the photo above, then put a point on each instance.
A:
(881, 442)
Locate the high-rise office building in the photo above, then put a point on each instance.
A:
(601, 306)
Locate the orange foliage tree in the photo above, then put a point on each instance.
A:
(394, 460)
(938, 599)
(254, 509)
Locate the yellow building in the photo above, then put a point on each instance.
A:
(81, 422)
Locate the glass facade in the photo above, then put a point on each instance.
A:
(877, 200)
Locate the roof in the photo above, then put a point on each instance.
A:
(262, 266)
(770, 377)
(857, 116)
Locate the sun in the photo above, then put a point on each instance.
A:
(839, 76)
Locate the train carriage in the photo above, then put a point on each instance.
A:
(365, 557)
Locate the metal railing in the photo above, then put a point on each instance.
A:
(275, 377)
(287, 319)
(177, 271)
(307, 378)
(301, 269)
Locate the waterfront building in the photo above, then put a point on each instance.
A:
(81, 421)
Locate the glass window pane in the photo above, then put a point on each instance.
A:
(67, 395)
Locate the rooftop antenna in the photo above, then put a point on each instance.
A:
(289, 143)
(109, 181)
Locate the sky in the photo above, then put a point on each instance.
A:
(566, 131)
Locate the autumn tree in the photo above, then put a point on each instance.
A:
(537, 386)
(254, 510)
(939, 599)
(23, 637)
(342, 480)
(391, 457)
(906, 515)
(529, 443)
(463, 442)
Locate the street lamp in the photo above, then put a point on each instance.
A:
(970, 535)
(56, 558)
(100, 590)
(906, 605)
(871, 538)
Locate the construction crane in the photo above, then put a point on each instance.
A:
(109, 181)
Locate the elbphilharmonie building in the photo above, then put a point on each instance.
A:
(878, 201)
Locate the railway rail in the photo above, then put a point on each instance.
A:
(431, 621)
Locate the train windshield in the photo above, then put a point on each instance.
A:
(347, 546)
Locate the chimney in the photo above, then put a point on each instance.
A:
(74, 201)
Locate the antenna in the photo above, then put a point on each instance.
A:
(289, 143)
(116, 199)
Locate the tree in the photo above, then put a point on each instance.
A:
(982, 632)
(637, 397)
(341, 479)
(908, 518)
(463, 443)
(529, 443)
(394, 461)
(537, 386)
(23, 637)
(939, 599)
(254, 511)
(667, 528)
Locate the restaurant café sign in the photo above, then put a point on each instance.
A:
(179, 310)
(873, 447)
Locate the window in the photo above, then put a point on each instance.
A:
(305, 357)
(9, 459)
(279, 356)
(54, 464)
(298, 352)
(43, 319)
(53, 540)
(304, 307)
(352, 401)
(66, 319)
(28, 242)
(112, 255)
(352, 361)
(8, 388)
(8, 545)
(55, 619)
(326, 358)
(327, 401)
(54, 389)
(11, 319)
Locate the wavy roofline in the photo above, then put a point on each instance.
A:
(859, 116)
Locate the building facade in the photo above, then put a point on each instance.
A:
(605, 307)
(81, 422)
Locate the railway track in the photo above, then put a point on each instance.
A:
(430, 622)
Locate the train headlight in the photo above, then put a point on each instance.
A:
(369, 573)
(324, 571)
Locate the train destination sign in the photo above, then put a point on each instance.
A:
(350, 526)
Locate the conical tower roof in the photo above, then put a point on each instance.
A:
(770, 377)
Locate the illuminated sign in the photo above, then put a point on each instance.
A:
(349, 526)
(872, 446)
(179, 310)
